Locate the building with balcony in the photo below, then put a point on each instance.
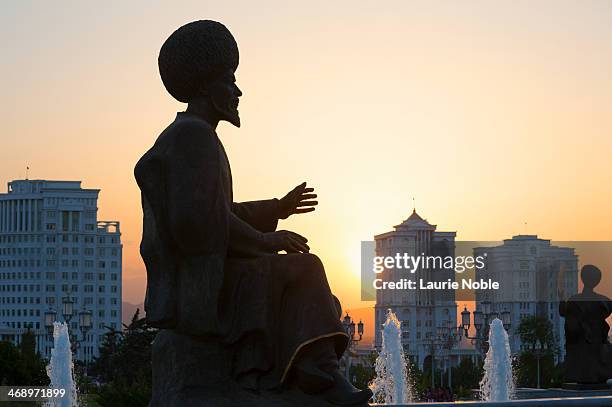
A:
(422, 313)
(54, 249)
(529, 270)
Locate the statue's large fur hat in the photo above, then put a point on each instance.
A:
(196, 53)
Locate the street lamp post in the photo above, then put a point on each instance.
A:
(85, 326)
(449, 336)
(50, 317)
(453, 337)
(68, 312)
(433, 345)
(540, 349)
(482, 319)
(441, 337)
(68, 309)
(85, 322)
(445, 339)
(349, 328)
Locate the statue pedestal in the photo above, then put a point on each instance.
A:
(196, 373)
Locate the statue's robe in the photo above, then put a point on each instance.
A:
(588, 356)
(208, 273)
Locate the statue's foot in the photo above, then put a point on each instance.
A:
(344, 393)
(316, 373)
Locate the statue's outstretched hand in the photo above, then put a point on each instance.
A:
(284, 240)
(298, 200)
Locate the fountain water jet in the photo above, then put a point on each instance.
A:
(60, 368)
(497, 383)
(391, 384)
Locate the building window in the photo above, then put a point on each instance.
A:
(75, 221)
(65, 220)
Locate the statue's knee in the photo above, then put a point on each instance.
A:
(312, 261)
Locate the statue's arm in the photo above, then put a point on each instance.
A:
(262, 215)
(244, 239)
(198, 215)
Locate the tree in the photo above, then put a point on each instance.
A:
(466, 377)
(124, 365)
(22, 366)
(361, 375)
(536, 330)
(34, 366)
(11, 371)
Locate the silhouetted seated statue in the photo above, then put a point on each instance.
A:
(234, 313)
(588, 358)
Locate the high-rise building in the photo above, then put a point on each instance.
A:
(421, 312)
(529, 270)
(53, 249)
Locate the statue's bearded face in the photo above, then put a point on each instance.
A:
(224, 95)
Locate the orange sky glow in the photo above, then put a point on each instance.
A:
(490, 114)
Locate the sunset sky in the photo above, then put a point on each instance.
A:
(490, 114)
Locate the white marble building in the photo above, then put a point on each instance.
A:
(529, 271)
(419, 311)
(53, 246)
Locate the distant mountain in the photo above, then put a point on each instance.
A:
(128, 309)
